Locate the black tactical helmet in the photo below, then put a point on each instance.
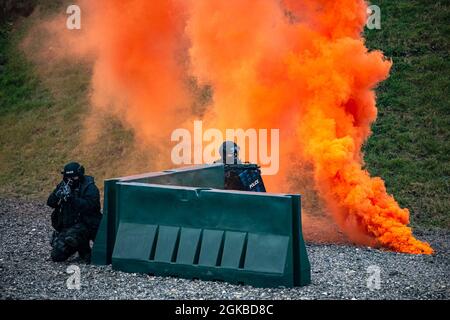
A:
(229, 150)
(73, 169)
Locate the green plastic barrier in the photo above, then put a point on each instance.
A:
(210, 176)
(202, 232)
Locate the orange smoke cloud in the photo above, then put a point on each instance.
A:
(312, 77)
(297, 65)
(137, 75)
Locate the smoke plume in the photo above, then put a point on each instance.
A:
(298, 65)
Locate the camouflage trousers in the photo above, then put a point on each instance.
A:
(69, 241)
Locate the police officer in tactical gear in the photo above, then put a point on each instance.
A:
(238, 175)
(76, 215)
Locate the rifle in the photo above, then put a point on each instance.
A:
(64, 192)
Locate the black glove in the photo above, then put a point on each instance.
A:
(59, 193)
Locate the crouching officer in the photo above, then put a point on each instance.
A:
(76, 215)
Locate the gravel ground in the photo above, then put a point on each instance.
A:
(338, 271)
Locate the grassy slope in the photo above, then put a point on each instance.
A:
(41, 113)
(410, 144)
(42, 109)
